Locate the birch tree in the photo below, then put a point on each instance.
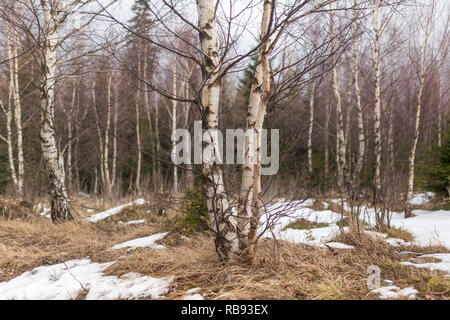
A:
(219, 209)
(340, 143)
(311, 123)
(377, 105)
(422, 70)
(357, 95)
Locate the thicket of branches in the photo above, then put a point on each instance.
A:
(358, 89)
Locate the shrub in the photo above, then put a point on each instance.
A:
(436, 168)
(195, 213)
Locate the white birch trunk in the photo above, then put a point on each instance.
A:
(173, 115)
(219, 210)
(18, 116)
(53, 159)
(377, 107)
(107, 133)
(361, 138)
(340, 143)
(249, 216)
(8, 112)
(311, 124)
(422, 69)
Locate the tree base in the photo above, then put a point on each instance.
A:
(60, 210)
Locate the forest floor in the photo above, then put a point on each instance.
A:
(132, 252)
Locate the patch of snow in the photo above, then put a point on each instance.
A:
(144, 242)
(193, 290)
(422, 198)
(196, 296)
(132, 222)
(396, 242)
(112, 211)
(394, 292)
(281, 214)
(339, 245)
(442, 265)
(90, 210)
(375, 234)
(45, 212)
(65, 281)
(427, 227)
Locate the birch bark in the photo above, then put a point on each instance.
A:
(219, 210)
(53, 159)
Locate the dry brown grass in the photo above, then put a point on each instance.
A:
(300, 272)
(28, 244)
(296, 272)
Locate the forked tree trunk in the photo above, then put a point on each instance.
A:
(219, 210)
(248, 209)
(53, 158)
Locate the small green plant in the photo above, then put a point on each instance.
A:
(438, 285)
(195, 213)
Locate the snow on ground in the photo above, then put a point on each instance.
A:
(394, 292)
(66, 280)
(339, 245)
(422, 198)
(427, 227)
(44, 211)
(396, 242)
(132, 222)
(196, 296)
(112, 211)
(442, 265)
(144, 242)
(281, 214)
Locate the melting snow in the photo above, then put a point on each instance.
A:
(394, 292)
(282, 214)
(339, 245)
(422, 198)
(144, 242)
(442, 265)
(112, 211)
(132, 222)
(66, 280)
(196, 296)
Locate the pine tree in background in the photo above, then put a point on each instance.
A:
(436, 167)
